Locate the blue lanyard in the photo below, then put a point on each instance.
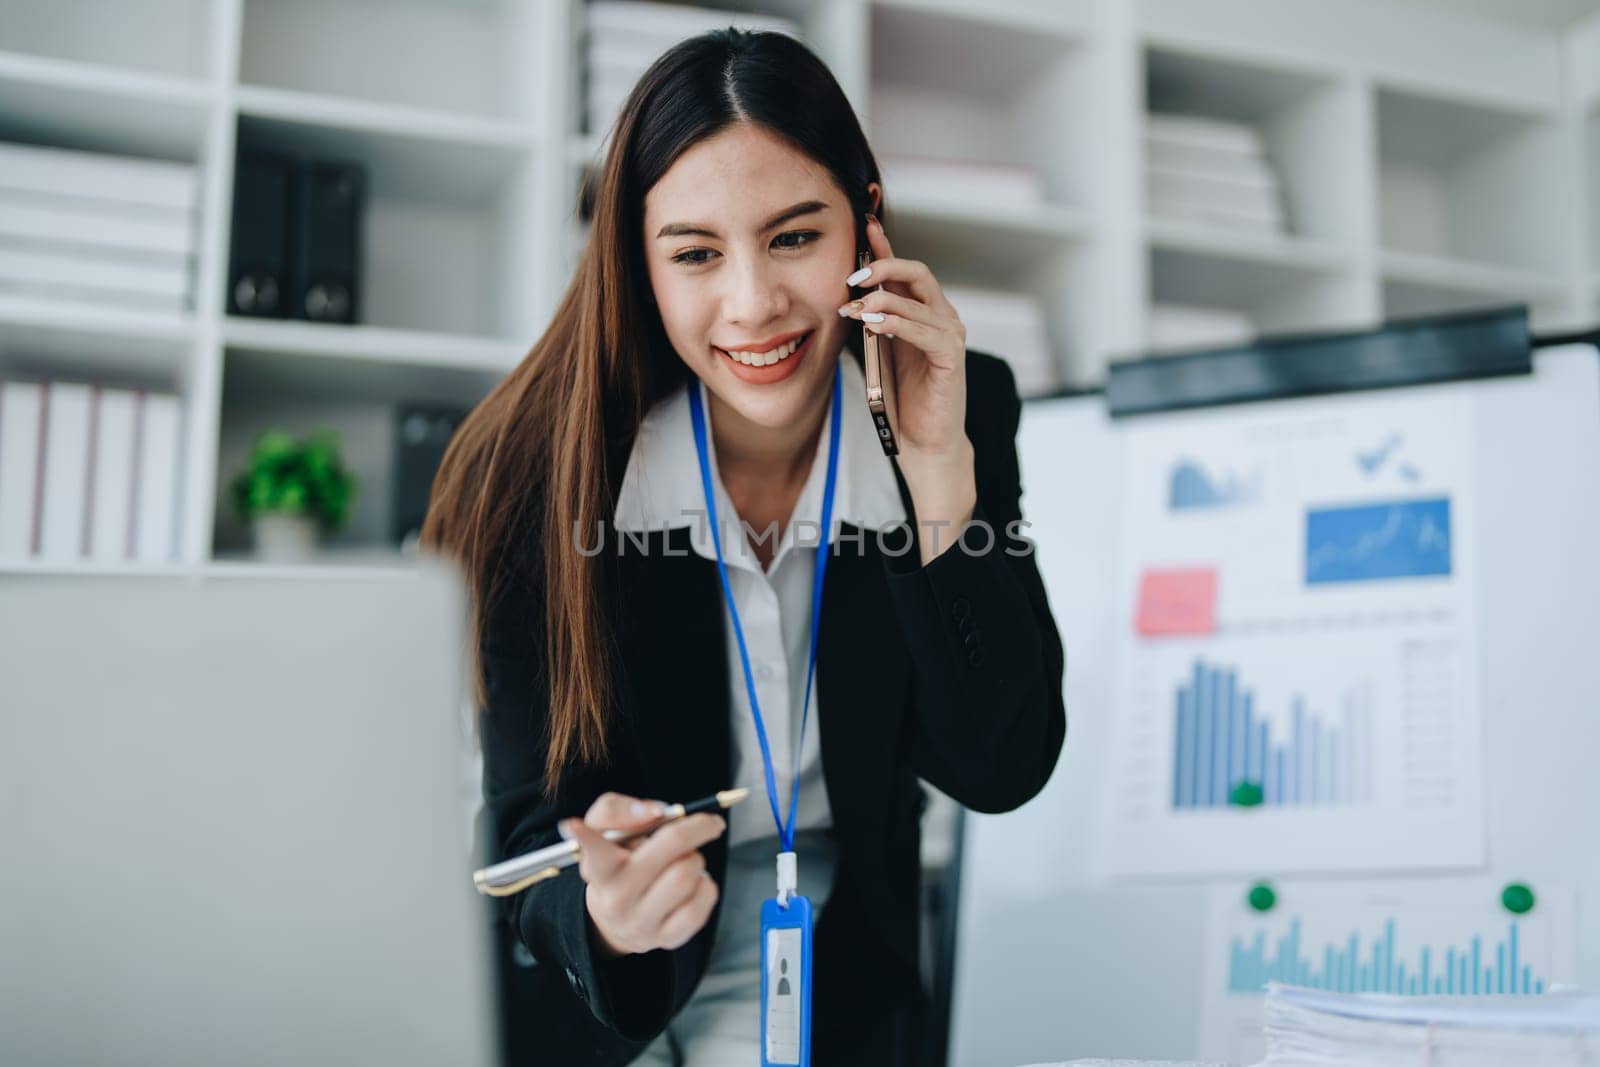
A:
(697, 416)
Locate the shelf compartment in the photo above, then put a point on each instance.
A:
(285, 388)
(1054, 269)
(1430, 285)
(61, 339)
(96, 108)
(461, 190)
(429, 156)
(1058, 17)
(166, 37)
(377, 344)
(257, 373)
(965, 89)
(1225, 243)
(1305, 123)
(1294, 287)
(977, 228)
(467, 58)
(1448, 169)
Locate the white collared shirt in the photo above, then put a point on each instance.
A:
(662, 490)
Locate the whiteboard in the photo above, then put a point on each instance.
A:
(1054, 962)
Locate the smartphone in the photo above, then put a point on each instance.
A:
(879, 370)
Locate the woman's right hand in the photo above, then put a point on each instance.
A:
(654, 893)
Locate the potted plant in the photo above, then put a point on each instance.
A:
(290, 489)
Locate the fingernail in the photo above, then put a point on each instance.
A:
(854, 305)
(872, 220)
(859, 276)
(564, 828)
(872, 316)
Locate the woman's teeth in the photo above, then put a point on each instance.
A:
(767, 359)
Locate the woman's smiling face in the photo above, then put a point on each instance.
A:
(748, 243)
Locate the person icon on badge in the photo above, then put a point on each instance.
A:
(783, 981)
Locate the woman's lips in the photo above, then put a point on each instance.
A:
(776, 372)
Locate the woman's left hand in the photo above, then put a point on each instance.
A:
(929, 355)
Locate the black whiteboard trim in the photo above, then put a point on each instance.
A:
(1494, 342)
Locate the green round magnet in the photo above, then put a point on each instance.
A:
(1261, 897)
(1517, 898)
(1246, 795)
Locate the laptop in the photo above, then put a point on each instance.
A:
(235, 822)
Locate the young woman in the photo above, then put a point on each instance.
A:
(631, 649)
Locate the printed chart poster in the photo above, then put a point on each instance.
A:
(1297, 662)
(1447, 938)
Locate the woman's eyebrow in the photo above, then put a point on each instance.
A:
(701, 229)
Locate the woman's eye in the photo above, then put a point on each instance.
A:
(795, 238)
(789, 241)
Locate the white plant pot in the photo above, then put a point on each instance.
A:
(285, 538)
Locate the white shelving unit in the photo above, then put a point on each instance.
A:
(1428, 161)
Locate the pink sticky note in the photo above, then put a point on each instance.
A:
(1177, 602)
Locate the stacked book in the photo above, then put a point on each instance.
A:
(1211, 171)
(1009, 325)
(97, 228)
(87, 473)
(625, 37)
(1310, 1028)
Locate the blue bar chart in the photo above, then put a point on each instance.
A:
(1191, 488)
(1223, 740)
(1435, 937)
(1475, 967)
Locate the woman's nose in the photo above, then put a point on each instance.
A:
(755, 295)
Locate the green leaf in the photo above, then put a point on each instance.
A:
(295, 477)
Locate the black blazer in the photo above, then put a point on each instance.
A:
(951, 672)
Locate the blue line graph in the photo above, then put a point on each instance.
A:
(1402, 539)
(1471, 969)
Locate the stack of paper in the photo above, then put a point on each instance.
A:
(87, 473)
(98, 228)
(1210, 171)
(1010, 325)
(1308, 1028)
(626, 36)
(919, 180)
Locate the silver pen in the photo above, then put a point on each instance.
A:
(516, 874)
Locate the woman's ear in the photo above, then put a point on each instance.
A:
(875, 197)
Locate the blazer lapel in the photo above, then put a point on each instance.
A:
(863, 670)
(673, 665)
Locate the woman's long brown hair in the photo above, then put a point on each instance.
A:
(526, 481)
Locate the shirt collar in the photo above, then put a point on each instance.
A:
(661, 488)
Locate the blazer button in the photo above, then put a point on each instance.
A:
(975, 657)
(972, 640)
(960, 607)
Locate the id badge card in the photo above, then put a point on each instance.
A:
(786, 983)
